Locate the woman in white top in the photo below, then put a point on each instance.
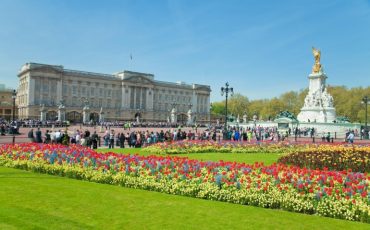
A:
(52, 137)
(78, 138)
(83, 141)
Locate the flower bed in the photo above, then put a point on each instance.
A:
(338, 157)
(338, 194)
(184, 147)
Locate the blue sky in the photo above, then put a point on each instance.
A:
(263, 48)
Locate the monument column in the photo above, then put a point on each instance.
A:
(31, 91)
(59, 90)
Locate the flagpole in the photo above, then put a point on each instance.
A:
(131, 62)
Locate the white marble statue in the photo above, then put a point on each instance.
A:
(61, 111)
(245, 118)
(190, 117)
(173, 115)
(318, 104)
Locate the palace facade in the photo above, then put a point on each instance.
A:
(121, 96)
(6, 104)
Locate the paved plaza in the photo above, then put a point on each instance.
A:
(101, 131)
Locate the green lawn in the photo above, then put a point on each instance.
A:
(36, 201)
(250, 158)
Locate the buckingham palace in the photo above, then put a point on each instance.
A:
(51, 92)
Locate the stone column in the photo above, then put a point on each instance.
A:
(59, 90)
(173, 116)
(135, 97)
(61, 114)
(101, 115)
(86, 114)
(31, 91)
(149, 99)
(43, 113)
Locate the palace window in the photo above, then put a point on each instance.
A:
(65, 89)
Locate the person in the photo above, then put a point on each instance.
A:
(52, 137)
(58, 137)
(38, 136)
(138, 140)
(328, 137)
(350, 137)
(106, 137)
(83, 140)
(31, 137)
(78, 137)
(118, 140)
(2, 130)
(87, 137)
(132, 139)
(94, 139)
(111, 139)
(47, 137)
(122, 140)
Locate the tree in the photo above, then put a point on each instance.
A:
(218, 108)
(238, 104)
(346, 101)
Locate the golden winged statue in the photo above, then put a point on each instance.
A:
(317, 55)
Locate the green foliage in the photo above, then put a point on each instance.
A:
(238, 104)
(218, 108)
(250, 158)
(346, 101)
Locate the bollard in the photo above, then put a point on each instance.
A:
(13, 139)
(99, 141)
(335, 135)
(332, 140)
(313, 139)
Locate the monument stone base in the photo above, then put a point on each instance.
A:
(317, 114)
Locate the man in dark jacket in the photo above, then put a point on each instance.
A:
(122, 140)
(38, 136)
(94, 139)
(30, 136)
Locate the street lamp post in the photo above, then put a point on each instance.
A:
(365, 101)
(226, 90)
(14, 95)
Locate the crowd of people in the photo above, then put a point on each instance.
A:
(170, 132)
(8, 127)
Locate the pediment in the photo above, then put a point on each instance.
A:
(139, 79)
(203, 88)
(47, 69)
